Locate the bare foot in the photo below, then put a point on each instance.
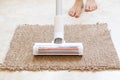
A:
(90, 5)
(76, 10)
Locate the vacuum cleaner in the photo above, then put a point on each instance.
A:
(58, 46)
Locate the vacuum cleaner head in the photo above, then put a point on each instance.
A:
(58, 49)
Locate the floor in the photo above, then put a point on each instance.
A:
(42, 12)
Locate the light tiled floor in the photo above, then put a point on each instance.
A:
(15, 12)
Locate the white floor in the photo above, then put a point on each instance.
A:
(15, 12)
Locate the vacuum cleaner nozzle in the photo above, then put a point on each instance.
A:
(58, 49)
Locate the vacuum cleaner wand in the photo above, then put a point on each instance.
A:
(58, 45)
(58, 24)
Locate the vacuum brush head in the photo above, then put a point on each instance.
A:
(58, 49)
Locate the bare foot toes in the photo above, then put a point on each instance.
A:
(90, 5)
(72, 12)
(75, 11)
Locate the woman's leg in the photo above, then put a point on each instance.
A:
(75, 11)
(90, 5)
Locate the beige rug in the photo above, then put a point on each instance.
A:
(99, 51)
